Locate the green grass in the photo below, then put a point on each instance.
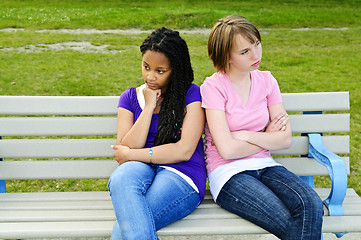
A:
(177, 14)
(301, 61)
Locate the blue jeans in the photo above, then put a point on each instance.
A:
(276, 200)
(147, 198)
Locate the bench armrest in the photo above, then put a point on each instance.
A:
(337, 170)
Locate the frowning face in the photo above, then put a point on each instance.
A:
(156, 70)
(245, 56)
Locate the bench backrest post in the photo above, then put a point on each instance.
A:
(2, 182)
(309, 179)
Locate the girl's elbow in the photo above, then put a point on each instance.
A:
(186, 152)
(288, 143)
(225, 154)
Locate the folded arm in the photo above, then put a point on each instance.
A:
(182, 150)
(277, 135)
(227, 144)
(240, 144)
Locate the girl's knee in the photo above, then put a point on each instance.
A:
(123, 173)
(128, 175)
(313, 205)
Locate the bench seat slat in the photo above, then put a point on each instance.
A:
(50, 215)
(99, 148)
(104, 196)
(57, 205)
(78, 200)
(184, 227)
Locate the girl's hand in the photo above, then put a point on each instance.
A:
(151, 97)
(120, 154)
(278, 123)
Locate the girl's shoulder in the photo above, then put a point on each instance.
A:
(128, 98)
(193, 94)
(216, 80)
(262, 75)
(129, 92)
(193, 88)
(264, 78)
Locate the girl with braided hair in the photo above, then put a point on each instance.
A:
(161, 177)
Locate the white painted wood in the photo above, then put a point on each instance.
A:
(46, 215)
(299, 146)
(55, 196)
(60, 126)
(184, 227)
(320, 123)
(58, 105)
(56, 148)
(56, 205)
(85, 105)
(100, 148)
(57, 126)
(90, 214)
(90, 169)
(308, 166)
(321, 101)
(68, 169)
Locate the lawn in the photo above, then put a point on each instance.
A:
(308, 46)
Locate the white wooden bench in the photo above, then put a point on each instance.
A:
(29, 150)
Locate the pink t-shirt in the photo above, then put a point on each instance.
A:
(218, 93)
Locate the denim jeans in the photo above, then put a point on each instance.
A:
(147, 198)
(276, 200)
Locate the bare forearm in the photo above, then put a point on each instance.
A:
(137, 135)
(234, 148)
(270, 140)
(163, 154)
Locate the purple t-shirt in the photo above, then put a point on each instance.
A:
(195, 166)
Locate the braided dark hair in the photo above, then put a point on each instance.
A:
(173, 108)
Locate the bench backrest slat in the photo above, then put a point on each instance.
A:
(93, 169)
(57, 126)
(66, 128)
(56, 148)
(322, 101)
(67, 169)
(103, 105)
(100, 148)
(60, 126)
(58, 105)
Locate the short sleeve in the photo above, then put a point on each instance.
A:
(212, 95)
(125, 100)
(274, 96)
(193, 94)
